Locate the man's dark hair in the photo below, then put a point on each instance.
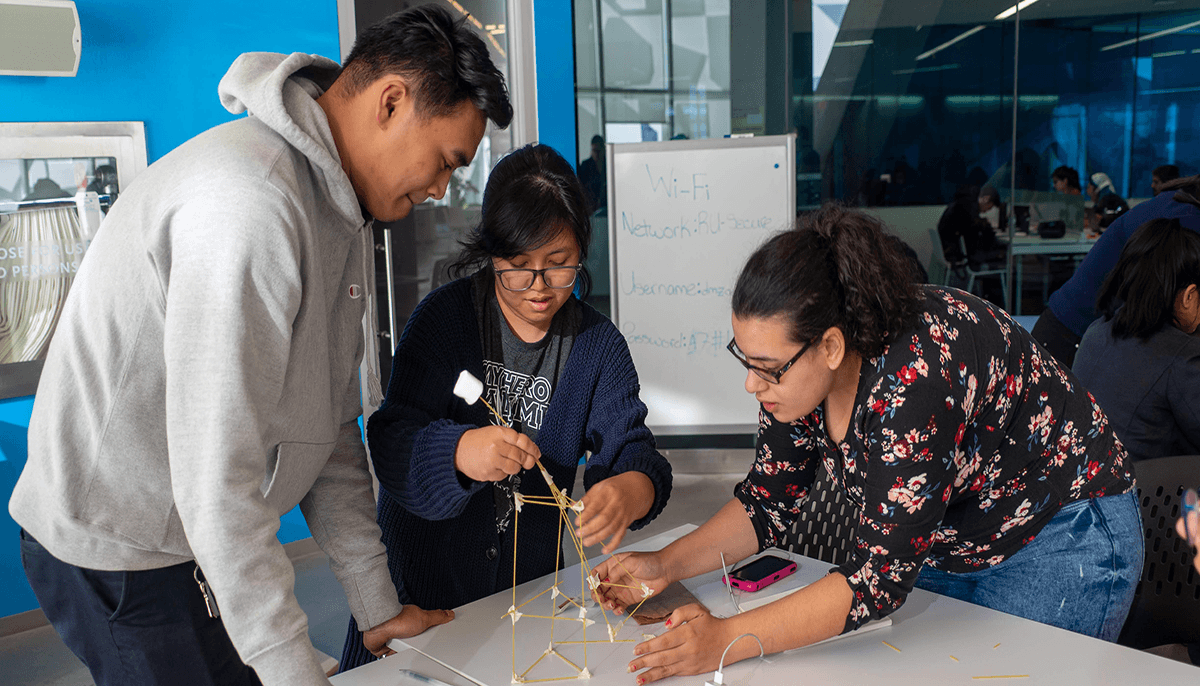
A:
(532, 195)
(1165, 173)
(990, 191)
(597, 139)
(441, 58)
(1161, 259)
(1069, 175)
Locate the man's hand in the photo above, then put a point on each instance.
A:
(492, 453)
(410, 622)
(617, 589)
(610, 506)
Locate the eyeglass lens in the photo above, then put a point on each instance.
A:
(741, 357)
(522, 279)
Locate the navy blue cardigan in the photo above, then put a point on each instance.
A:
(439, 526)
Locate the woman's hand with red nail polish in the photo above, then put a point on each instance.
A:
(692, 646)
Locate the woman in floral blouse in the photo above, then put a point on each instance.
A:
(979, 467)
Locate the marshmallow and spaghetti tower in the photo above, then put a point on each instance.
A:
(470, 389)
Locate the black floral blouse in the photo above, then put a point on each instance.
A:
(966, 438)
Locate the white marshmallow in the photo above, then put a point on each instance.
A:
(468, 387)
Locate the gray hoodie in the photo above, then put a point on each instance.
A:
(203, 379)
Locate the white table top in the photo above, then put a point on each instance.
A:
(390, 672)
(926, 631)
(1073, 243)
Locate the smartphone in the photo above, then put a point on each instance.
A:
(760, 573)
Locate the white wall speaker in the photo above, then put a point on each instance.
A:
(39, 38)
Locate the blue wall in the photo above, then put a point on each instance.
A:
(554, 35)
(14, 421)
(156, 62)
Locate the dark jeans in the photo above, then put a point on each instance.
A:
(136, 627)
(1056, 338)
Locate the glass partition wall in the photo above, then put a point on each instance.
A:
(909, 108)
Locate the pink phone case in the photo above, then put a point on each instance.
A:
(752, 586)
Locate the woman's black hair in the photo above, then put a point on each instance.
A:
(1067, 174)
(443, 58)
(531, 196)
(1160, 260)
(835, 268)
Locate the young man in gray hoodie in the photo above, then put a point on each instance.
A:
(204, 379)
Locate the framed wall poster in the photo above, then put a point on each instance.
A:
(56, 181)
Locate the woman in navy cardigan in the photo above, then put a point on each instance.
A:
(446, 472)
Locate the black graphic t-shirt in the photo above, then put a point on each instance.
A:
(519, 377)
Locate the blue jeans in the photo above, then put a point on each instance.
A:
(140, 627)
(1079, 574)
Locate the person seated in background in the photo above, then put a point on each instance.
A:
(1104, 212)
(1100, 185)
(1106, 204)
(991, 209)
(1066, 180)
(1162, 174)
(966, 237)
(1073, 306)
(557, 370)
(1140, 360)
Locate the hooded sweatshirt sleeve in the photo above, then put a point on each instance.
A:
(232, 292)
(340, 512)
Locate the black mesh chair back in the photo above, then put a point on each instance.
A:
(825, 528)
(1166, 607)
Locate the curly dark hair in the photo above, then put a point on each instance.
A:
(835, 268)
(531, 196)
(445, 61)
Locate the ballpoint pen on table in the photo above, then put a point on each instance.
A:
(419, 677)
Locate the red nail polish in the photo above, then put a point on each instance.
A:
(668, 623)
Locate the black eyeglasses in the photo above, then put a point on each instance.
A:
(768, 375)
(522, 279)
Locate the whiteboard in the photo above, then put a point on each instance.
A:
(683, 218)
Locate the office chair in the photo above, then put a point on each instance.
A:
(985, 271)
(825, 529)
(1166, 605)
(939, 268)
